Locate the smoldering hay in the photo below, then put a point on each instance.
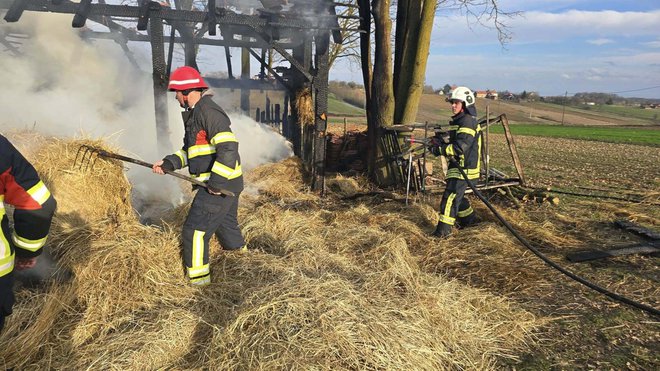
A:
(326, 284)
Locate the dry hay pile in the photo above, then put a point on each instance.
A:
(328, 284)
(304, 106)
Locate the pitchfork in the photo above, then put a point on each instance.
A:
(88, 159)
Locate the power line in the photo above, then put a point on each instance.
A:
(629, 91)
(623, 91)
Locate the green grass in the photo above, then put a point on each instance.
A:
(626, 111)
(340, 108)
(643, 136)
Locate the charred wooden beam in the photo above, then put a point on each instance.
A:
(272, 71)
(320, 85)
(15, 11)
(145, 10)
(212, 19)
(245, 75)
(167, 14)
(290, 58)
(582, 256)
(638, 230)
(160, 80)
(128, 35)
(82, 13)
(229, 65)
(242, 84)
(262, 60)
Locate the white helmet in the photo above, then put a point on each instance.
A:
(463, 94)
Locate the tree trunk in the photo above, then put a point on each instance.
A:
(365, 52)
(382, 110)
(402, 11)
(412, 71)
(406, 43)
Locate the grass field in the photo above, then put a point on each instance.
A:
(607, 123)
(626, 111)
(338, 106)
(643, 136)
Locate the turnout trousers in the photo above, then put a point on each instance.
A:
(454, 206)
(209, 214)
(30, 232)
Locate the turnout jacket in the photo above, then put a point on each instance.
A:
(464, 145)
(33, 204)
(210, 149)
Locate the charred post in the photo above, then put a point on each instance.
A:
(81, 14)
(160, 80)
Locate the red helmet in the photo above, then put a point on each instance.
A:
(186, 78)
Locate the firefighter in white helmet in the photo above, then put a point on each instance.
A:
(210, 151)
(464, 146)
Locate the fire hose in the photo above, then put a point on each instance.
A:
(547, 260)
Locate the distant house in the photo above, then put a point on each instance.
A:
(508, 96)
(591, 103)
(492, 94)
(481, 93)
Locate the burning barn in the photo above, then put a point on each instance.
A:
(299, 32)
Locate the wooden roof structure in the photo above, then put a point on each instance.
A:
(300, 31)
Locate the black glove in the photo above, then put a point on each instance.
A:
(445, 138)
(434, 146)
(167, 165)
(214, 191)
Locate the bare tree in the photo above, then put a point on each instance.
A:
(414, 24)
(348, 24)
(413, 42)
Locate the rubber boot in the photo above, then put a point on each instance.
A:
(442, 230)
(468, 221)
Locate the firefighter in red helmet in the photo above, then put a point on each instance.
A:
(34, 207)
(210, 151)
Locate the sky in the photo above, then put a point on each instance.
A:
(556, 47)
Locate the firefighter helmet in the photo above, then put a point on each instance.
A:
(463, 94)
(186, 78)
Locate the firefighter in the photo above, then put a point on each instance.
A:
(34, 207)
(464, 146)
(210, 151)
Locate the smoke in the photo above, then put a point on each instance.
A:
(65, 86)
(61, 85)
(258, 143)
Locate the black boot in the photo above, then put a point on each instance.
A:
(442, 230)
(467, 221)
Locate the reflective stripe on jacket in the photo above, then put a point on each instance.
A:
(464, 145)
(210, 148)
(33, 204)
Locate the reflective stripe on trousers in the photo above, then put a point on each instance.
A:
(209, 215)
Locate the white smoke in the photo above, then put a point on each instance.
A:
(65, 86)
(258, 143)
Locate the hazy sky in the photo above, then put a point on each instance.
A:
(555, 46)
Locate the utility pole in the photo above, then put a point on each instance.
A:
(563, 108)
